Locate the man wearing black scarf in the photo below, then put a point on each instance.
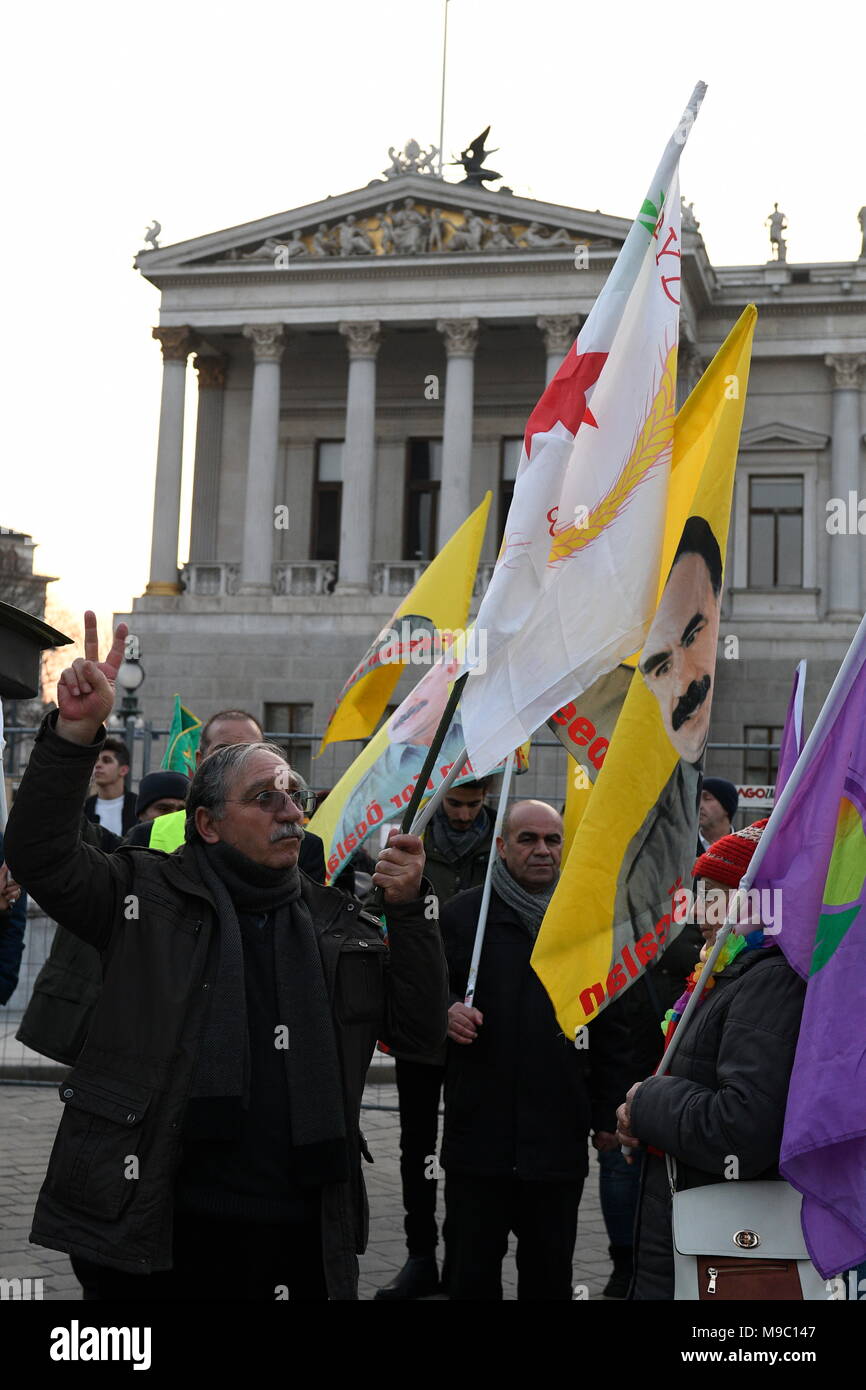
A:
(210, 1144)
(520, 1097)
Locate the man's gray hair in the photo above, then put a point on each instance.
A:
(215, 778)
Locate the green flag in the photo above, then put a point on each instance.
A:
(183, 737)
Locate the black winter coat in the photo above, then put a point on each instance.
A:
(156, 926)
(13, 923)
(725, 1098)
(521, 1099)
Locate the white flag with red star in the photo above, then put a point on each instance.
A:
(576, 583)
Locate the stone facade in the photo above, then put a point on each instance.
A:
(419, 310)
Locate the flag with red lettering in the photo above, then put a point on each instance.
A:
(575, 585)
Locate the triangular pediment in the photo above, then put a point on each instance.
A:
(782, 437)
(405, 218)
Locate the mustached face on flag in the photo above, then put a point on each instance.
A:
(618, 902)
(574, 588)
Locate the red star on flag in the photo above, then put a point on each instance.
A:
(565, 398)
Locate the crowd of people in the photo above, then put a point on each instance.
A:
(219, 1006)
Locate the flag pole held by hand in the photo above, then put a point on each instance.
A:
(377, 901)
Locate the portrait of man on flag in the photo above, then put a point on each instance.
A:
(677, 664)
(679, 656)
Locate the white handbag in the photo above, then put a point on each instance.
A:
(740, 1241)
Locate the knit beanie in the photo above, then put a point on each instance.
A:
(724, 791)
(156, 785)
(727, 860)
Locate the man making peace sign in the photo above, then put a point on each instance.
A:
(210, 1138)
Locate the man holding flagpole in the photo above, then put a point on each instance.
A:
(520, 1097)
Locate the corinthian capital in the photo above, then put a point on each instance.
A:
(211, 372)
(461, 336)
(268, 340)
(176, 343)
(846, 366)
(362, 339)
(560, 331)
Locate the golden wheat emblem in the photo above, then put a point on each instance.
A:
(652, 448)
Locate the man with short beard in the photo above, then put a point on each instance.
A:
(210, 1144)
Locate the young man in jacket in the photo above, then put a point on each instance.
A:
(111, 805)
(210, 1143)
(457, 843)
(520, 1097)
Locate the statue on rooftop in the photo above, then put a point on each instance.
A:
(472, 159)
(777, 224)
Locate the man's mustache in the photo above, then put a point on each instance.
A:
(286, 832)
(689, 702)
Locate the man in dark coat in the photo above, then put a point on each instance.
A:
(457, 843)
(210, 1138)
(13, 921)
(724, 1098)
(520, 1097)
(67, 987)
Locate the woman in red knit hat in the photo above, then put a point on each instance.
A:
(720, 1110)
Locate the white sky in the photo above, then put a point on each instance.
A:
(206, 115)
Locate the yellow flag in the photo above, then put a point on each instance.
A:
(615, 906)
(576, 802)
(439, 602)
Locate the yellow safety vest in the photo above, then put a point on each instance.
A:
(167, 831)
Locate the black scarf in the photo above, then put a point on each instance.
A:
(221, 1082)
(453, 845)
(530, 907)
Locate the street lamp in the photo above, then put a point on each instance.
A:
(130, 677)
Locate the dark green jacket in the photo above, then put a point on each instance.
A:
(155, 925)
(452, 876)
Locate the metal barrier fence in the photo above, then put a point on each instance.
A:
(545, 779)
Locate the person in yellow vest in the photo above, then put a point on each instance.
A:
(166, 832)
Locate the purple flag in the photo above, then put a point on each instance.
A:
(792, 735)
(816, 855)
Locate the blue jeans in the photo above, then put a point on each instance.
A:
(618, 1188)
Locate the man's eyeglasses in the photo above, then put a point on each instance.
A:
(273, 801)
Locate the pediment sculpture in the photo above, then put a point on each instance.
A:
(406, 228)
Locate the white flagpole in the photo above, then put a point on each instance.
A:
(419, 824)
(488, 881)
(442, 102)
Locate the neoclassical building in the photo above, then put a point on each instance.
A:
(366, 365)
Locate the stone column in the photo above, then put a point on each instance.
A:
(177, 344)
(461, 339)
(258, 542)
(560, 331)
(844, 599)
(208, 449)
(359, 459)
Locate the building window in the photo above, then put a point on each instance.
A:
(509, 459)
(775, 532)
(759, 764)
(294, 720)
(423, 479)
(327, 500)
